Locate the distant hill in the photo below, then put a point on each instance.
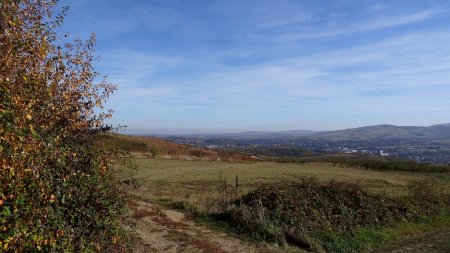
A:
(440, 133)
(433, 133)
(256, 134)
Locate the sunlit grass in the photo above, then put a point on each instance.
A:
(198, 181)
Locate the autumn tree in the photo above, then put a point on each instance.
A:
(57, 190)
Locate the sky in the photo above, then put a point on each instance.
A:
(233, 65)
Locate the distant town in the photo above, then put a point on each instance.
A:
(423, 144)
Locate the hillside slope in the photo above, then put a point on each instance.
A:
(150, 147)
(390, 132)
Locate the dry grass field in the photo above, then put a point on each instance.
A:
(201, 182)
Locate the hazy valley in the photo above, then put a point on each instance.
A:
(425, 144)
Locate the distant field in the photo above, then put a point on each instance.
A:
(198, 182)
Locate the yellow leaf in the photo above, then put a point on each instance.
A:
(28, 116)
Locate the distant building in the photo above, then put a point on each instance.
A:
(382, 153)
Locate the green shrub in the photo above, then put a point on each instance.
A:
(308, 214)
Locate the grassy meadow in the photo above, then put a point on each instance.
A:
(201, 182)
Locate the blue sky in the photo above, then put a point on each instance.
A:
(226, 66)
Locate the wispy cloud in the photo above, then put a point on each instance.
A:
(277, 65)
(355, 74)
(359, 27)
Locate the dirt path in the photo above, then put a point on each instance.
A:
(163, 230)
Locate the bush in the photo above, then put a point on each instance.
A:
(57, 191)
(304, 213)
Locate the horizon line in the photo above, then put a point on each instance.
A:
(168, 131)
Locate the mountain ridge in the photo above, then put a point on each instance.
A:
(381, 131)
(384, 132)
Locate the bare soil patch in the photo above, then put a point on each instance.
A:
(165, 230)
